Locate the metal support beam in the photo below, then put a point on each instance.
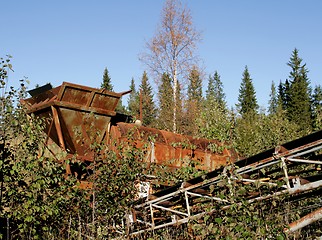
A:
(198, 190)
(306, 220)
(58, 127)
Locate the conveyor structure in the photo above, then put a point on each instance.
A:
(285, 163)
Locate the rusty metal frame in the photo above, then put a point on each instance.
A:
(67, 106)
(174, 206)
(306, 220)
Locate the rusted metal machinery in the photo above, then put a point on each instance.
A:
(173, 149)
(297, 164)
(76, 116)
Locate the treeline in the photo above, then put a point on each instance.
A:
(294, 108)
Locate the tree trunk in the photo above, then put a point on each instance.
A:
(175, 88)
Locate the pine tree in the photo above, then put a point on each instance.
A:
(215, 90)
(193, 103)
(107, 81)
(284, 94)
(295, 63)
(148, 106)
(214, 120)
(133, 101)
(299, 106)
(317, 108)
(106, 84)
(210, 91)
(281, 95)
(219, 91)
(165, 96)
(247, 102)
(195, 86)
(273, 101)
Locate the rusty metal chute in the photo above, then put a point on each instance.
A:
(75, 116)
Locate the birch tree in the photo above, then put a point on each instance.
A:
(172, 49)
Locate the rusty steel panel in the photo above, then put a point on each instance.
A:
(41, 98)
(173, 149)
(75, 116)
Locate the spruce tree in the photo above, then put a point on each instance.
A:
(214, 121)
(210, 91)
(247, 102)
(317, 108)
(193, 103)
(165, 97)
(107, 81)
(273, 101)
(281, 95)
(215, 90)
(219, 91)
(148, 106)
(133, 101)
(195, 86)
(107, 84)
(299, 106)
(284, 95)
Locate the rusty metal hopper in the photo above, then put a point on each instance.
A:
(175, 150)
(75, 116)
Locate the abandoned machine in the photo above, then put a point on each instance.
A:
(75, 116)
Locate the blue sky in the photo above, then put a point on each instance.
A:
(73, 41)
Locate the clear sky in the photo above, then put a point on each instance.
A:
(74, 40)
